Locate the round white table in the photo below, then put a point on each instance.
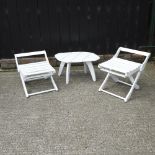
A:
(77, 57)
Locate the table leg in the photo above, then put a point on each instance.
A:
(62, 64)
(68, 72)
(91, 69)
(85, 67)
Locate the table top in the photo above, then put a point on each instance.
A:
(74, 57)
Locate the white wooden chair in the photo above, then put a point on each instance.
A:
(35, 70)
(117, 67)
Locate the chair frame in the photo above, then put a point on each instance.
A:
(114, 74)
(39, 75)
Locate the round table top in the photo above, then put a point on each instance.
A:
(74, 57)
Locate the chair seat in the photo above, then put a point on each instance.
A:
(119, 65)
(36, 68)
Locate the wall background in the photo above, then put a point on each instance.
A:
(99, 26)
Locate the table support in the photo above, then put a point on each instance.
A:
(91, 69)
(85, 68)
(62, 64)
(77, 57)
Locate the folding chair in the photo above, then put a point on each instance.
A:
(35, 71)
(117, 67)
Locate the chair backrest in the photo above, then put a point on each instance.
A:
(21, 55)
(146, 54)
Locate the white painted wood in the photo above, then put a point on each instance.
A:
(77, 57)
(54, 84)
(91, 69)
(123, 49)
(85, 68)
(120, 66)
(112, 72)
(44, 91)
(24, 86)
(132, 81)
(103, 85)
(62, 64)
(36, 68)
(120, 81)
(30, 54)
(123, 68)
(132, 87)
(34, 71)
(110, 93)
(68, 72)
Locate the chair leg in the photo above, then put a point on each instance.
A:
(104, 82)
(54, 84)
(132, 87)
(24, 86)
(132, 81)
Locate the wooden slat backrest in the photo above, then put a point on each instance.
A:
(146, 54)
(21, 55)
